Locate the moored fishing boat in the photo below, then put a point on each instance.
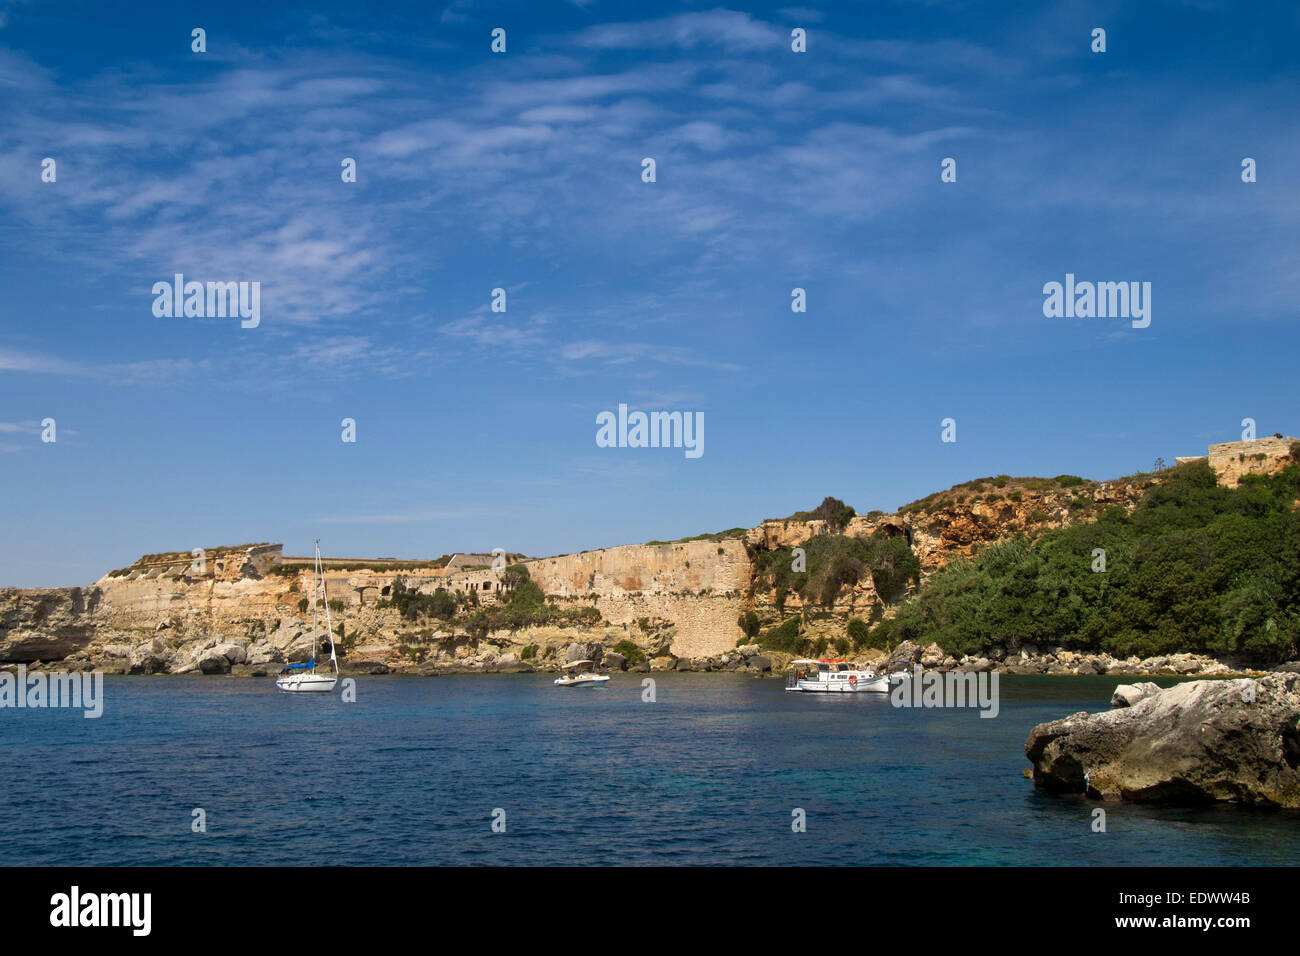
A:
(834, 677)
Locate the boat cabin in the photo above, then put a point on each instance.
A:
(829, 675)
(823, 669)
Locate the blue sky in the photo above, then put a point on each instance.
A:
(522, 170)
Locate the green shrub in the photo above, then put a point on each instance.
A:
(629, 650)
(835, 562)
(858, 631)
(783, 637)
(414, 605)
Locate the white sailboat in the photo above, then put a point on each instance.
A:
(302, 678)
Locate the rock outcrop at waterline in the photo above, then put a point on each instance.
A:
(1233, 741)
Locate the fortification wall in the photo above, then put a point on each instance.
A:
(1233, 460)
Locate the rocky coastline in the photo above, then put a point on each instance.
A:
(290, 642)
(1198, 742)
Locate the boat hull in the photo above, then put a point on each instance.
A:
(876, 685)
(307, 684)
(580, 681)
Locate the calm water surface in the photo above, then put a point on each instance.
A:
(411, 772)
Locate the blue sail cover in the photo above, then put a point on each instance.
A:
(298, 667)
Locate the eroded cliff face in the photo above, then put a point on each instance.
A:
(166, 614)
(244, 609)
(698, 586)
(42, 624)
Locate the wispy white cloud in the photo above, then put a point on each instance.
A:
(729, 29)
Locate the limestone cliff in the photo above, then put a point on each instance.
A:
(244, 607)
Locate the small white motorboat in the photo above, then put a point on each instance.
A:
(302, 678)
(582, 674)
(834, 677)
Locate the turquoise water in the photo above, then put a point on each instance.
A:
(710, 773)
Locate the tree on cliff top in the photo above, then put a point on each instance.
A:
(834, 512)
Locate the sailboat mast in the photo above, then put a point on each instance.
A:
(329, 625)
(315, 590)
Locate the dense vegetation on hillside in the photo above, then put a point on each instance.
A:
(522, 605)
(833, 562)
(994, 489)
(1195, 567)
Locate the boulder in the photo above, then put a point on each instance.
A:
(909, 651)
(750, 650)
(289, 631)
(615, 661)
(760, 662)
(660, 643)
(932, 656)
(298, 652)
(1235, 741)
(234, 652)
(145, 660)
(1126, 695)
(213, 663)
(579, 651)
(265, 653)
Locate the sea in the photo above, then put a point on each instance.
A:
(698, 769)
